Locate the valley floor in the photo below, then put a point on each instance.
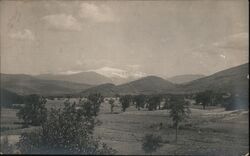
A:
(207, 132)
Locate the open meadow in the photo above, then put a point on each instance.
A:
(207, 132)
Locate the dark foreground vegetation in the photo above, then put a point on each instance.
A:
(62, 131)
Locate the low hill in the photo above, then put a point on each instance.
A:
(105, 89)
(146, 85)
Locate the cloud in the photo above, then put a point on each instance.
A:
(26, 34)
(236, 41)
(224, 53)
(63, 22)
(96, 13)
(235, 45)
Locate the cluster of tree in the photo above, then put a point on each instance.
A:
(63, 131)
(125, 101)
(230, 101)
(151, 102)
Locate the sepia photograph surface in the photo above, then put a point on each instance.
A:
(124, 77)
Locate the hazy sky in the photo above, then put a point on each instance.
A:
(165, 38)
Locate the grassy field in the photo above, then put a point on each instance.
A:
(207, 132)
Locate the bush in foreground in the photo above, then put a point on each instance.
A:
(66, 131)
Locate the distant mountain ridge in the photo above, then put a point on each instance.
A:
(95, 77)
(89, 77)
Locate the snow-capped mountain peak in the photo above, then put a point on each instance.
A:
(118, 73)
(111, 72)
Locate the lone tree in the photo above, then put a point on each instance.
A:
(66, 131)
(139, 100)
(150, 143)
(112, 105)
(179, 111)
(125, 101)
(34, 111)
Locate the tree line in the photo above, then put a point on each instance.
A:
(206, 98)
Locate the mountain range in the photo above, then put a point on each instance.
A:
(234, 80)
(95, 77)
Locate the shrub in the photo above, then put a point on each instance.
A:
(151, 143)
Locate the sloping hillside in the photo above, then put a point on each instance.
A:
(7, 98)
(180, 79)
(234, 80)
(25, 84)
